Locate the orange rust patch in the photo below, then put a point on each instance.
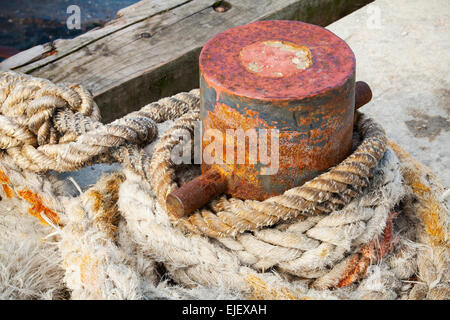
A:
(428, 206)
(3, 177)
(8, 191)
(431, 221)
(38, 207)
(224, 118)
(360, 262)
(251, 113)
(355, 270)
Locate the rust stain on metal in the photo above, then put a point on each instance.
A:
(196, 193)
(333, 61)
(311, 103)
(224, 117)
(291, 76)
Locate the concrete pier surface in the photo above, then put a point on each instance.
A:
(402, 50)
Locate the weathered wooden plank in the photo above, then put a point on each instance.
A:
(158, 56)
(26, 56)
(32, 59)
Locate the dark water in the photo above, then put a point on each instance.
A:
(26, 23)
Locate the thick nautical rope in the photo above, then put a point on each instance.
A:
(327, 251)
(328, 192)
(45, 126)
(334, 249)
(55, 127)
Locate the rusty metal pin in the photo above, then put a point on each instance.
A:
(196, 193)
(296, 78)
(363, 94)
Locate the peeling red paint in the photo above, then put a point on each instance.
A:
(333, 61)
(4, 180)
(275, 59)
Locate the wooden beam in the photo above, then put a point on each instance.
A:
(143, 56)
(28, 60)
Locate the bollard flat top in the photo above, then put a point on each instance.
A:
(276, 60)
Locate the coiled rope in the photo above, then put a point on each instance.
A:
(328, 192)
(326, 234)
(56, 127)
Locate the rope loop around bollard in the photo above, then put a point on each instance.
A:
(225, 216)
(56, 127)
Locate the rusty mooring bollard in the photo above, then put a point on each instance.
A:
(292, 77)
